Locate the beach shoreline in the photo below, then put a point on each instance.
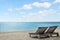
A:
(23, 35)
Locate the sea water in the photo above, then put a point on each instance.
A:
(16, 26)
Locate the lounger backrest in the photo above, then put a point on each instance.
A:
(41, 29)
(51, 29)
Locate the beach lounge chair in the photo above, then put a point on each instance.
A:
(50, 31)
(39, 32)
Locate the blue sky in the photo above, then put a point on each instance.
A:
(29, 10)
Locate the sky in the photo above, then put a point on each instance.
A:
(29, 10)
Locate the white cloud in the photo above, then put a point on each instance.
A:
(44, 4)
(47, 12)
(47, 4)
(51, 11)
(30, 6)
(30, 17)
(27, 6)
(56, 1)
(37, 4)
(40, 12)
(10, 9)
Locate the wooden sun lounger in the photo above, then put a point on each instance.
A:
(43, 31)
(51, 30)
(39, 32)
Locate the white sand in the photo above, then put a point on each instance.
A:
(23, 35)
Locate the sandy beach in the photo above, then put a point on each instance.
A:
(23, 35)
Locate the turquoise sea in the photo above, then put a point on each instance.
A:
(15, 26)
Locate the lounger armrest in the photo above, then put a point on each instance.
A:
(50, 34)
(56, 33)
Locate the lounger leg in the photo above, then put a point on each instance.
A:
(38, 36)
(57, 34)
(30, 35)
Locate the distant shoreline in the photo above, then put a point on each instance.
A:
(20, 30)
